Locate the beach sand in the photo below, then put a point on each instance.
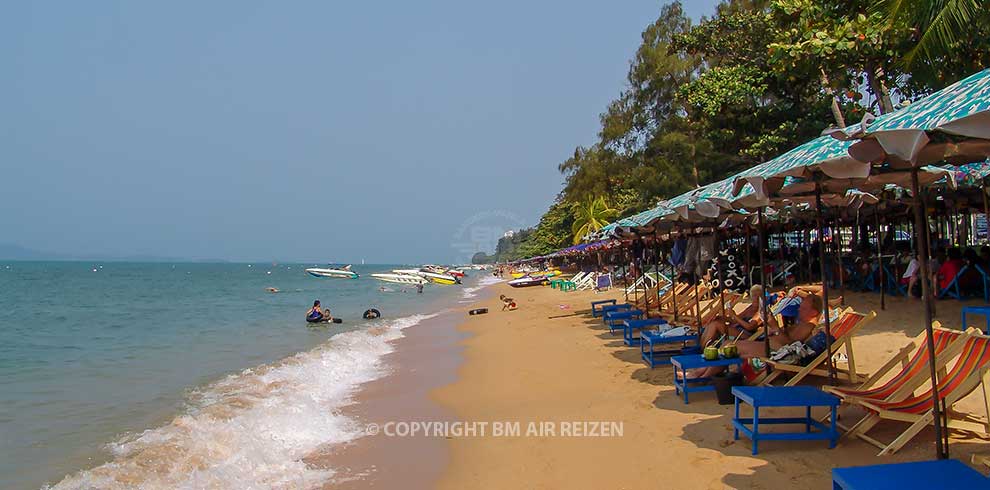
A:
(524, 366)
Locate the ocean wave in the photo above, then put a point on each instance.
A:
(483, 282)
(254, 429)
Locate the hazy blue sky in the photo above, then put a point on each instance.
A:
(400, 131)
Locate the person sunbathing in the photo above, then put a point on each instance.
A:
(733, 324)
(800, 330)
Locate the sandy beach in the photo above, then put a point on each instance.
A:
(549, 361)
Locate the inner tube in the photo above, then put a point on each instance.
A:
(478, 311)
(371, 314)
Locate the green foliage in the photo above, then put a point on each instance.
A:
(706, 100)
(590, 216)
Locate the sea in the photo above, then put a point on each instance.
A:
(189, 375)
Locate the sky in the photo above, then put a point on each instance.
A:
(399, 132)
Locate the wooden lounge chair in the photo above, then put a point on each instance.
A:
(712, 309)
(843, 330)
(686, 303)
(667, 299)
(913, 362)
(967, 374)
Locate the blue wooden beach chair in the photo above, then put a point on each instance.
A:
(630, 329)
(953, 290)
(596, 306)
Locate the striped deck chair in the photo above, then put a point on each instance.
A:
(967, 374)
(712, 309)
(686, 304)
(913, 362)
(843, 330)
(667, 299)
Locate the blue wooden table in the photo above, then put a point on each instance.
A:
(605, 310)
(784, 396)
(676, 345)
(977, 310)
(687, 385)
(614, 319)
(630, 327)
(945, 473)
(596, 306)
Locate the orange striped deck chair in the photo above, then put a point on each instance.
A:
(842, 330)
(913, 362)
(967, 374)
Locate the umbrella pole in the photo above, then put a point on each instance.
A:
(941, 438)
(883, 285)
(838, 255)
(656, 269)
(697, 281)
(749, 267)
(721, 273)
(763, 283)
(625, 276)
(828, 315)
(673, 278)
(635, 270)
(986, 214)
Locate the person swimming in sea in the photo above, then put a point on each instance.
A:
(318, 315)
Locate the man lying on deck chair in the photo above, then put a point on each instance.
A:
(800, 330)
(809, 313)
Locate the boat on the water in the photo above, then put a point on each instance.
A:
(401, 278)
(528, 281)
(336, 273)
(433, 277)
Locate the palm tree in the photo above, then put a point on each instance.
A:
(590, 217)
(942, 23)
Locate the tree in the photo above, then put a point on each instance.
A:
(943, 24)
(590, 217)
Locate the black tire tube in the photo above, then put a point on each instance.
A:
(372, 313)
(478, 311)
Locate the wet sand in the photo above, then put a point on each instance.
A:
(426, 358)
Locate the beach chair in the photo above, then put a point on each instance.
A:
(913, 362)
(587, 282)
(843, 330)
(954, 290)
(687, 301)
(666, 300)
(968, 373)
(712, 309)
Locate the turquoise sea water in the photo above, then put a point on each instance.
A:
(144, 365)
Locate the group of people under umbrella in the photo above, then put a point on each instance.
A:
(886, 172)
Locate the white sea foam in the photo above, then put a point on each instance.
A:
(253, 429)
(483, 282)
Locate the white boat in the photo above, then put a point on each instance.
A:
(341, 273)
(431, 276)
(401, 278)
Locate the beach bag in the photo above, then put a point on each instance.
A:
(816, 344)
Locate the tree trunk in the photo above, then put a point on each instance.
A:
(840, 120)
(877, 87)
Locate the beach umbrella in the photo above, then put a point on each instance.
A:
(952, 122)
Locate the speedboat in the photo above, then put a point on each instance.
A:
(528, 281)
(433, 277)
(336, 273)
(401, 278)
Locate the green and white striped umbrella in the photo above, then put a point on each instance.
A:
(961, 109)
(823, 153)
